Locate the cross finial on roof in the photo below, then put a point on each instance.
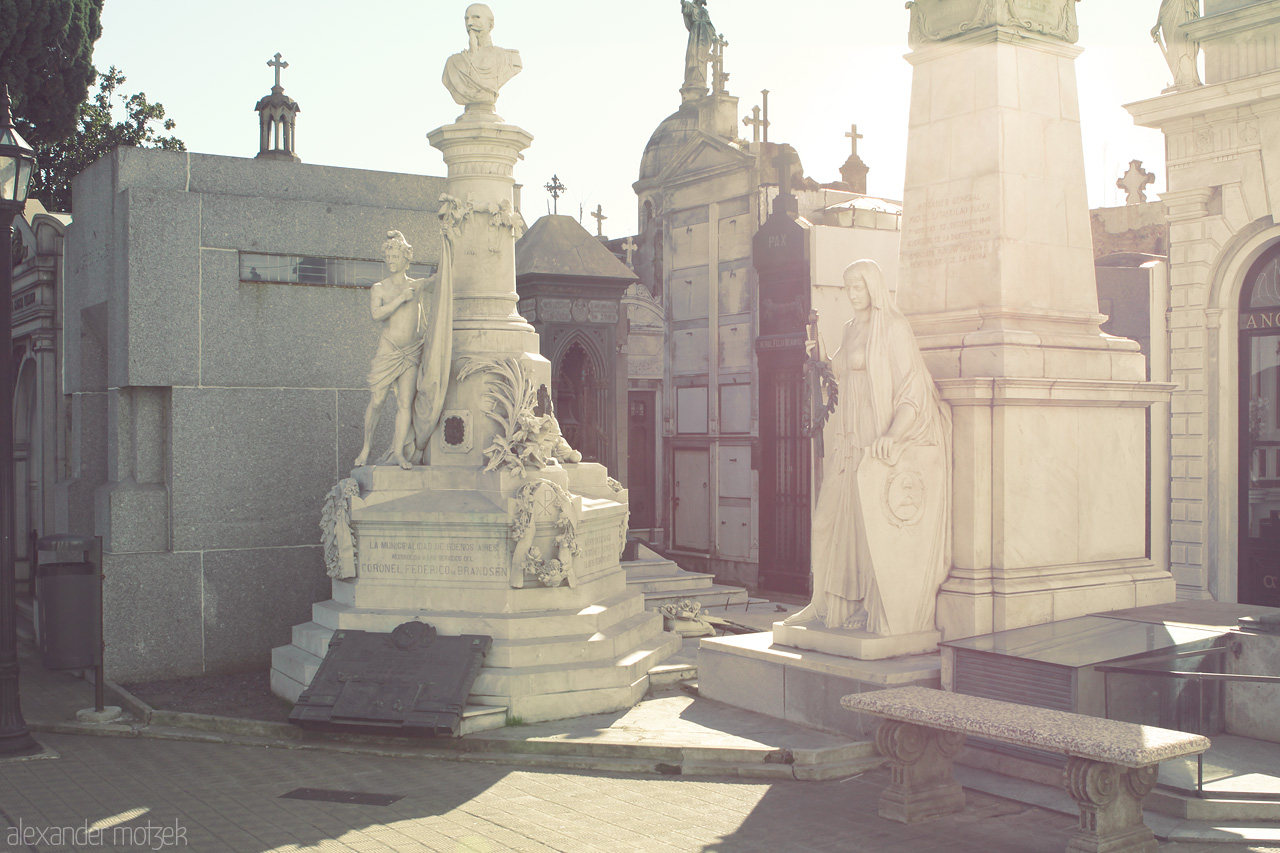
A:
(786, 157)
(556, 189)
(854, 136)
(755, 123)
(599, 217)
(1134, 182)
(764, 98)
(629, 246)
(718, 75)
(279, 66)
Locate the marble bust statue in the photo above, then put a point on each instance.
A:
(881, 527)
(474, 76)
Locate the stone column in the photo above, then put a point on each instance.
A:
(996, 274)
(921, 782)
(481, 154)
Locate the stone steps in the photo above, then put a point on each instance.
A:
(541, 666)
(748, 762)
(607, 642)
(619, 671)
(662, 581)
(501, 626)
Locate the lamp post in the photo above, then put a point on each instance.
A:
(17, 161)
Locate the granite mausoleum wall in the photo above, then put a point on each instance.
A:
(210, 414)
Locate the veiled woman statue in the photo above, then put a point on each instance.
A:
(881, 529)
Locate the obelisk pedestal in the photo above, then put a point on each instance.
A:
(996, 275)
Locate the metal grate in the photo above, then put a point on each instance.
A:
(1012, 679)
(354, 797)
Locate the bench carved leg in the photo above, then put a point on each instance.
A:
(922, 785)
(1110, 799)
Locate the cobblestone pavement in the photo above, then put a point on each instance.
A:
(145, 794)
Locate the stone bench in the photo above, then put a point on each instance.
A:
(1111, 765)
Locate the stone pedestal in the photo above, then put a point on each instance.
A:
(996, 275)
(804, 686)
(921, 784)
(861, 645)
(1110, 800)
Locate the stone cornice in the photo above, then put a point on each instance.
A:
(1166, 109)
(1243, 20)
(1053, 392)
(940, 20)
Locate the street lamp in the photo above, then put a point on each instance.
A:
(17, 161)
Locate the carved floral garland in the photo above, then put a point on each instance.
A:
(527, 557)
(337, 533)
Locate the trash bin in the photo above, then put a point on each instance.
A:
(67, 593)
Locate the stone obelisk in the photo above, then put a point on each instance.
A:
(996, 274)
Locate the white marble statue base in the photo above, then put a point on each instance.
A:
(860, 645)
(801, 685)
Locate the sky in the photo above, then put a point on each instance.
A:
(597, 80)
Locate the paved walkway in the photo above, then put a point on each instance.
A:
(131, 793)
(155, 794)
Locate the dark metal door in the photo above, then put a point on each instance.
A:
(1258, 579)
(784, 479)
(641, 467)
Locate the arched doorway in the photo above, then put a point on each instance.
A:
(1259, 431)
(580, 400)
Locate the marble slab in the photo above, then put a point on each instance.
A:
(1111, 741)
(1085, 640)
(859, 645)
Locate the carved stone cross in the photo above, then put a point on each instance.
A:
(786, 156)
(279, 66)
(629, 246)
(854, 136)
(599, 217)
(755, 123)
(764, 99)
(718, 75)
(1134, 182)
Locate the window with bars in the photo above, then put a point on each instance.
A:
(321, 272)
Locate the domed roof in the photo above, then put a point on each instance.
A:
(669, 137)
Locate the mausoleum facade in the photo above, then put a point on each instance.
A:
(1223, 202)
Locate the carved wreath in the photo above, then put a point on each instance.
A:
(337, 532)
(527, 557)
(826, 389)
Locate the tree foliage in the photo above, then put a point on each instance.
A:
(96, 134)
(46, 58)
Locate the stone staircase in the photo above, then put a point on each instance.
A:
(588, 658)
(664, 582)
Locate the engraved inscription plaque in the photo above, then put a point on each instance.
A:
(409, 682)
(951, 230)
(400, 555)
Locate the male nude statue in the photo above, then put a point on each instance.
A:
(394, 303)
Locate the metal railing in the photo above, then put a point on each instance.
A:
(1216, 679)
